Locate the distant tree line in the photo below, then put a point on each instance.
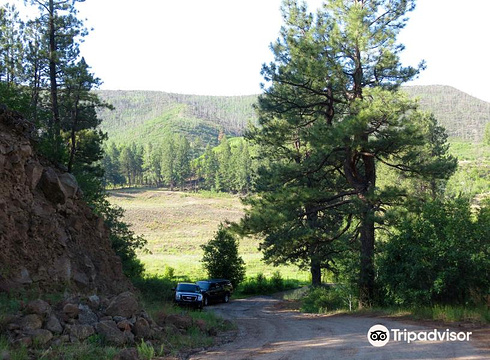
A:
(173, 164)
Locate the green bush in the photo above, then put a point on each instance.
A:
(260, 285)
(155, 288)
(322, 300)
(440, 255)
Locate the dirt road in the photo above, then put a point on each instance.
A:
(268, 333)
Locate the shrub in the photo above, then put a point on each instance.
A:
(155, 288)
(440, 255)
(145, 351)
(260, 285)
(322, 300)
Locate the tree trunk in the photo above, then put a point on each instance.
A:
(56, 128)
(316, 272)
(364, 183)
(366, 276)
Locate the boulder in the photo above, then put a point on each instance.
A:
(61, 270)
(124, 325)
(94, 302)
(54, 325)
(40, 336)
(125, 305)
(80, 332)
(86, 315)
(110, 332)
(81, 279)
(71, 310)
(68, 185)
(31, 322)
(23, 277)
(38, 307)
(141, 328)
(34, 171)
(51, 187)
(181, 322)
(128, 337)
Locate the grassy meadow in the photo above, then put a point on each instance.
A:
(177, 223)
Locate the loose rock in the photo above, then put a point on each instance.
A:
(125, 305)
(31, 322)
(110, 332)
(54, 325)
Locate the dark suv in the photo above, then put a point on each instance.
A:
(215, 290)
(188, 294)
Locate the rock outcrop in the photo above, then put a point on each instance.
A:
(49, 238)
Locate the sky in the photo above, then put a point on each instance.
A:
(217, 47)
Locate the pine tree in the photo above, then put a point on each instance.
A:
(168, 162)
(182, 160)
(221, 258)
(332, 111)
(79, 105)
(209, 168)
(62, 29)
(223, 176)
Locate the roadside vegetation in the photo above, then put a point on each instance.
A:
(333, 300)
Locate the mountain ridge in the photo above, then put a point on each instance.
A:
(142, 116)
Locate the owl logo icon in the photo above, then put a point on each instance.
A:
(378, 335)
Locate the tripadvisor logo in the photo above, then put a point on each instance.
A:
(379, 335)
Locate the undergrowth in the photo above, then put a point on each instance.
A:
(261, 285)
(331, 299)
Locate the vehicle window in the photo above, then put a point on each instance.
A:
(203, 285)
(188, 287)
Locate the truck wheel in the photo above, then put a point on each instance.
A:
(206, 301)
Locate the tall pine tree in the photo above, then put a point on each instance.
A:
(330, 112)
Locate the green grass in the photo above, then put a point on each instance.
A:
(469, 151)
(176, 224)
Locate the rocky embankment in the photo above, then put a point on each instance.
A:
(116, 320)
(50, 240)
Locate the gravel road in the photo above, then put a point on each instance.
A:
(266, 332)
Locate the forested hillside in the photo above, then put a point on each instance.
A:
(463, 115)
(144, 116)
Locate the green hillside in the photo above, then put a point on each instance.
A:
(145, 116)
(463, 115)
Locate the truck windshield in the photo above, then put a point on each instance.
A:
(188, 288)
(203, 285)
